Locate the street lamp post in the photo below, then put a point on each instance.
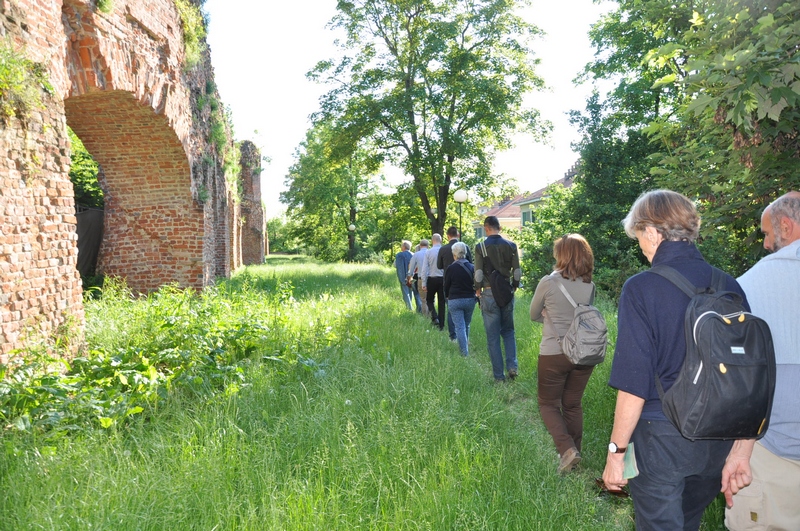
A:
(460, 196)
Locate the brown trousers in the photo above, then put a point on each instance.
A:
(561, 387)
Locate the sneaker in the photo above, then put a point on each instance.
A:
(512, 374)
(569, 461)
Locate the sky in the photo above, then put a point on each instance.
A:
(261, 51)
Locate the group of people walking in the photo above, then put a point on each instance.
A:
(450, 276)
(677, 477)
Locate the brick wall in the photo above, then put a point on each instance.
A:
(253, 222)
(119, 82)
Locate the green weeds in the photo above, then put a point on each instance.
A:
(296, 395)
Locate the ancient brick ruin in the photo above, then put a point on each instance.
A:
(171, 216)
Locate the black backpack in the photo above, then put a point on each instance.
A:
(725, 387)
(502, 290)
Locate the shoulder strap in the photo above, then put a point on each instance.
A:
(547, 315)
(566, 293)
(486, 258)
(676, 278)
(671, 274)
(464, 267)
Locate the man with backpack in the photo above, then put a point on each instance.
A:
(773, 290)
(497, 275)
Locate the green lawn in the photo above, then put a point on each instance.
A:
(343, 411)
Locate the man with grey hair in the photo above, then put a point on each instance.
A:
(401, 263)
(495, 252)
(414, 276)
(433, 282)
(771, 466)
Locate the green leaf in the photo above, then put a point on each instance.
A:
(106, 422)
(666, 80)
(700, 103)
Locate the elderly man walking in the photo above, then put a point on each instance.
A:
(495, 252)
(401, 263)
(414, 275)
(433, 282)
(772, 287)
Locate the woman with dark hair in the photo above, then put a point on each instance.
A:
(561, 383)
(678, 478)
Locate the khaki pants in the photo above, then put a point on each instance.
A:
(422, 296)
(771, 501)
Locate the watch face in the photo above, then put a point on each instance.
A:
(612, 447)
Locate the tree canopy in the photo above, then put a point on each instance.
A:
(438, 86)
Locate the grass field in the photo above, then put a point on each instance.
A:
(334, 409)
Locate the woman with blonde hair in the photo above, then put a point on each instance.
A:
(678, 478)
(561, 383)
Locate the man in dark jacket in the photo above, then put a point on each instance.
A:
(443, 261)
(495, 252)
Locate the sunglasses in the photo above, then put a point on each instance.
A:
(616, 493)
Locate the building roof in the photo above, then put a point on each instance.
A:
(507, 208)
(538, 195)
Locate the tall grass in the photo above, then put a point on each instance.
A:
(351, 413)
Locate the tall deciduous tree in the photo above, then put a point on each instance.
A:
(438, 85)
(735, 142)
(327, 187)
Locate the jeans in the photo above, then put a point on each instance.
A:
(406, 293)
(415, 292)
(560, 393)
(499, 323)
(678, 478)
(460, 311)
(451, 326)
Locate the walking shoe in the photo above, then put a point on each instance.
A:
(512, 374)
(569, 461)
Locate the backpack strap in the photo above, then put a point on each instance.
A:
(566, 293)
(571, 301)
(487, 260)
(676, 278)
(464, 267)
(672, 274)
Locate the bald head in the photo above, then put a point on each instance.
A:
(780, 221)
(436, 238)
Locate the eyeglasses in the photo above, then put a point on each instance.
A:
(616, 493)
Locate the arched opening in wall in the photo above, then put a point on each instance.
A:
(84, 174)
(153, 228)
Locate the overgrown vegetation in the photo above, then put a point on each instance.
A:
(105, 5)
(194, 32)
(291, 397)
(83, 173)
(22, 82)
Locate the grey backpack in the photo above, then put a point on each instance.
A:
(587, 336)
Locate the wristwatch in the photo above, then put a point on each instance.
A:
(614, 449)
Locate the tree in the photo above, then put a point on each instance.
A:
(438, 87)
(328, 185)
(735, 140)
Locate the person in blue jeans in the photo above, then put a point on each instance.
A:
(460, 295)
(401, 262)
(495, 252)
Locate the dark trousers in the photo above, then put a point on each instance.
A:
(436, 289)
(678, 478)
(561, 387)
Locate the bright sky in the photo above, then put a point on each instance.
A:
(261, 51)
